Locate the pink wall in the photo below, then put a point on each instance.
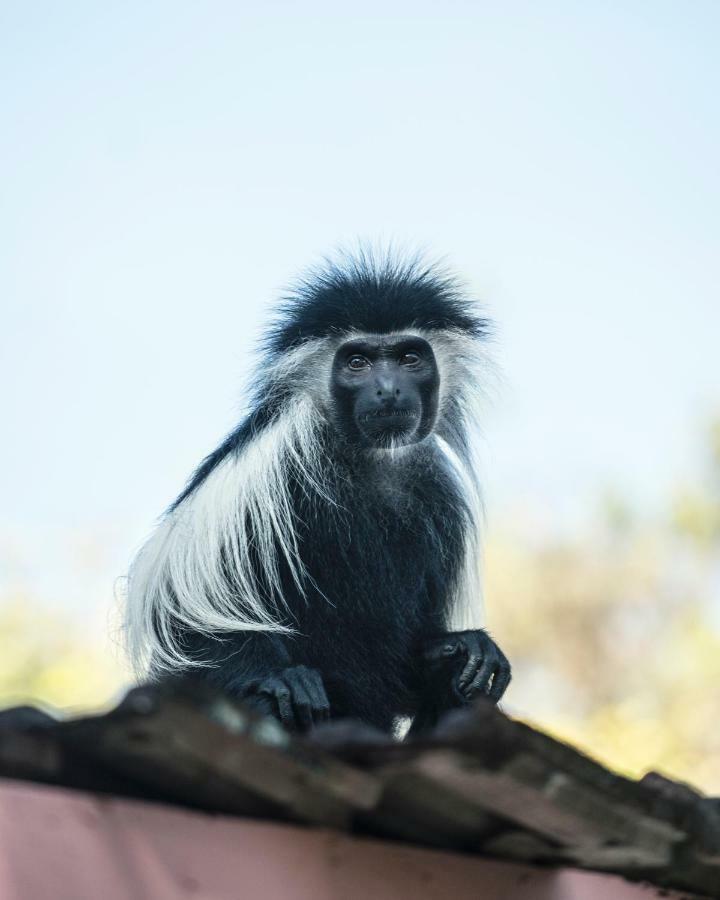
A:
(57, 844)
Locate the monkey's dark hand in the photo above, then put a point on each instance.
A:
(296, 696)
(472, 662)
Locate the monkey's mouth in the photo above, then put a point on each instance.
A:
(388, 414)
(389, 425)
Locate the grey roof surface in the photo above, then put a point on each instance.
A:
(482, 783)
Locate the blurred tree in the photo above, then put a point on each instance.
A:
(615, 636)
(696, 512)
(51, 659)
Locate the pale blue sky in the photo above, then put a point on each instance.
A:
(167, 167)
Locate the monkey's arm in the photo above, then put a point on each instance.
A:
(258, 668)
(458, 667)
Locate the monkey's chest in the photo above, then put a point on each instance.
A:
(380, 582)
(370, 661)
(364, 629)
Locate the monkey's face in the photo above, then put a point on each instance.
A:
(384, 390)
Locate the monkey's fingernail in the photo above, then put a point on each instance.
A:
(448, 649)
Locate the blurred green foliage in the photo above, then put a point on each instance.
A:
(614, 636)
(55, 659)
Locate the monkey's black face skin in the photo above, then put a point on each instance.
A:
(385, 390)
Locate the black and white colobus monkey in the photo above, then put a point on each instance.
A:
(318, 559)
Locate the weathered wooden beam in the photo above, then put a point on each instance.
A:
(482, 783)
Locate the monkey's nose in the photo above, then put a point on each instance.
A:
(387, 390)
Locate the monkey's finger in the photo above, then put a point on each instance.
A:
(300, 698)
(481, 681)
(316, 691)
(469, 673)
(321, 705)
(280, 693)
(501, 680)
(285, 707)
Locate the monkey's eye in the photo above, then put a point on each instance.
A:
(357, 363)
(410, 358)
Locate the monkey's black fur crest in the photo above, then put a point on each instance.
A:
(375, 293)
